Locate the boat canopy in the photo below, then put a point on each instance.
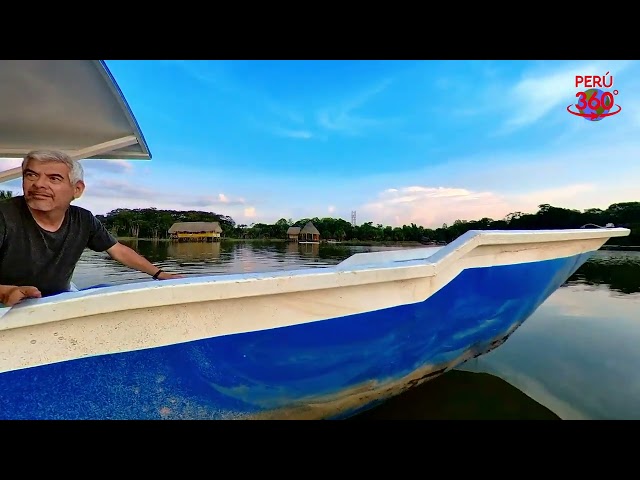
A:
(71, 105)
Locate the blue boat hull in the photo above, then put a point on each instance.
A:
(327, 369)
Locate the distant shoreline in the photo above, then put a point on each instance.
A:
(363, 243)
(621, 248)
(350, 243)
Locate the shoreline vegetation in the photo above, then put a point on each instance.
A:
(153, 224)
(353, 243)
(363, 243)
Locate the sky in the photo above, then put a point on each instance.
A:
(399, 142)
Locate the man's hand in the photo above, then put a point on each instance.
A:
(12, 295)
(169, 276)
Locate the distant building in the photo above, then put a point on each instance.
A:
(195, 231)
(292, 234)
(309, 233)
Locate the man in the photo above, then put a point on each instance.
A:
(42, 235)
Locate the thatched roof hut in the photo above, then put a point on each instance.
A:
(310, 228)
(293, 231)
(195, 227)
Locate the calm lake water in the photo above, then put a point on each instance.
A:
(577, 357)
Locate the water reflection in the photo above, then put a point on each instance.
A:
(461, 395)
(618, 270)
(577, 355)
(292, 248)
(309, 249)
(193, 252)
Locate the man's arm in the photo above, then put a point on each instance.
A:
(132, 259)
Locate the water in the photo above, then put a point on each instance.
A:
(577, 357)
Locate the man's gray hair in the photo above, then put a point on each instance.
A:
(76, 172)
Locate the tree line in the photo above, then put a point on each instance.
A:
(155, 223)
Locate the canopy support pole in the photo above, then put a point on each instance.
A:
(83, 153)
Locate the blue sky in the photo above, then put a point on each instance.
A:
(398, 141)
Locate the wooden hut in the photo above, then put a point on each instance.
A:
(309, 233)
(292, 234)
(195, 231)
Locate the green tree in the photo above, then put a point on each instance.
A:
(5, 195)
(154, 223)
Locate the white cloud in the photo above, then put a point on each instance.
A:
(433, 206)
(111, 166)
(102, 204)
(537, 94)
(601, 171)
(344, 119)
(118, 189)
(540, 92)
(300, 134)
(631, 111)
(8, 163)
(561, 196)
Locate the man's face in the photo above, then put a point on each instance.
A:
(47, 186)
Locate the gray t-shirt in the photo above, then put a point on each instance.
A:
(32, 256)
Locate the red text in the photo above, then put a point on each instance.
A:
(594, 81)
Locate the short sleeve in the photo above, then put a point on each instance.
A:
(99, 237)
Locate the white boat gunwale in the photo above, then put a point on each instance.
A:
(206, 288)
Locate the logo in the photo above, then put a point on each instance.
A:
(594, 104)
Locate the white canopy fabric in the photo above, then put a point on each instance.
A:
(71, 105)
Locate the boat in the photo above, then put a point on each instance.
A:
(318, 343)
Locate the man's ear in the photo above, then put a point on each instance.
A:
(78, 189)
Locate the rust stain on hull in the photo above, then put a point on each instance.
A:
(371, 393)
